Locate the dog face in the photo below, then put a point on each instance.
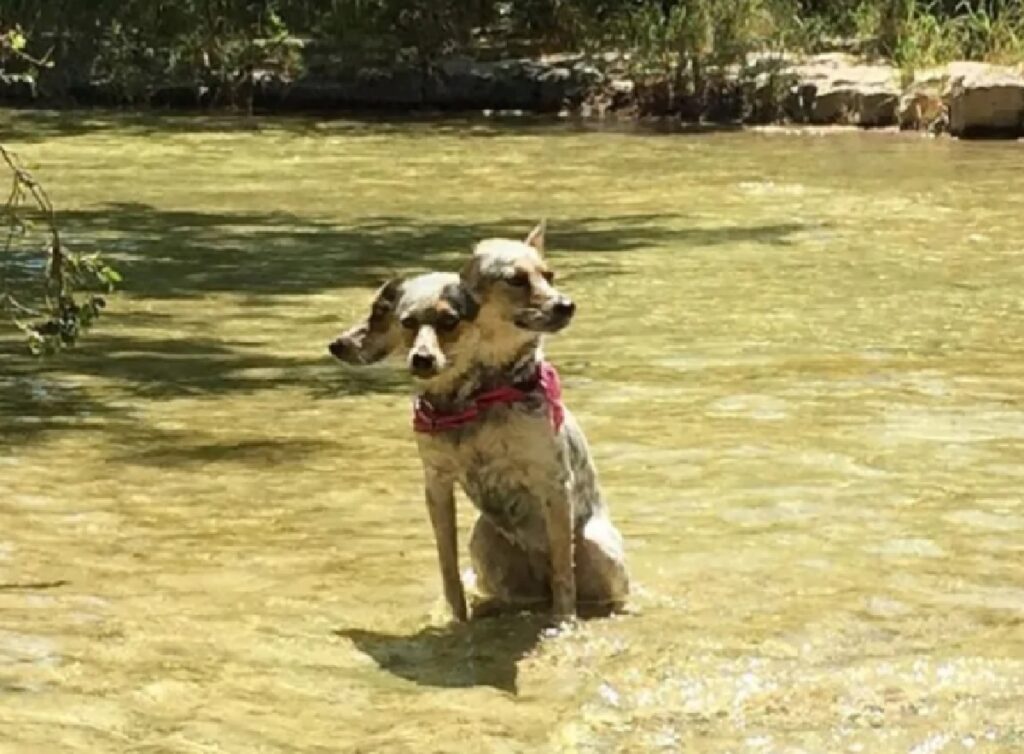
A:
(429, 315)
(376, 336)
(513, 283)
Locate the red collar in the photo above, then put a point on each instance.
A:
(425, 418)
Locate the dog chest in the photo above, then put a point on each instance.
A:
(510, 471)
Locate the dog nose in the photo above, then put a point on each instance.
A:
(337, 348)
(564, 308)
(422, 362)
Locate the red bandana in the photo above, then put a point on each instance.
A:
(427, 419)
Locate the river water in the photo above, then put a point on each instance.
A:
(799, 361)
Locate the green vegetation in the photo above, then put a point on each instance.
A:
(217, 51)
(46, 289)
(222, 44)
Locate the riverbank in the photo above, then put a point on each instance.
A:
(965, 99)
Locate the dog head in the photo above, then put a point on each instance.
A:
(429, 315)
(515, 286)
(376, 336)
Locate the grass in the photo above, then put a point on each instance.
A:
(926, 37)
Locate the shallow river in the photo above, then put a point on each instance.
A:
(799, 361)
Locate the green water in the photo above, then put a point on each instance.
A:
(799, 361)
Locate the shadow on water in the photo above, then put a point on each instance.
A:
(485, 652)
(34, 126)
(182, 256)
(176, 254)
(39, 396)
(179, 451)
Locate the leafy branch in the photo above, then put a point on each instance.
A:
(53, 309)
(53, 314)
(13, 43)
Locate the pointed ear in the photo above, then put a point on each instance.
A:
(386, 297)
(389, 291)
(373, 338)
(536, 237)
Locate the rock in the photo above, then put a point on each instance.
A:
(371, 88)
(553, 85)
(534, 86)
(622, 87)
(17, 88)
(923, 110)
(987, 101)
(923, 102)
(515, 85)
(460, 84)
(837, 88)
(968, 98)
(877, 109)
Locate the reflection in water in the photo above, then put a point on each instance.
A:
(800, 363)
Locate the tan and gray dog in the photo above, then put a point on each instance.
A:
(488, 416)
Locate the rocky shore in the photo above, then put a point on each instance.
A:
(965, 99)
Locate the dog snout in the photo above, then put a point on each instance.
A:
(423, 363)
(563, 308)
(341, 349)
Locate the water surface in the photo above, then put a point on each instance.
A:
(799, 360)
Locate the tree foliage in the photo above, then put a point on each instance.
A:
(218, 44)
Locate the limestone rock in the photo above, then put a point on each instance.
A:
(838, 88)
(987, 101)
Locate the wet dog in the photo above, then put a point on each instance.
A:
(489, 418)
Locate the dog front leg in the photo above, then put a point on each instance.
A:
(441, 506)
(559, 518)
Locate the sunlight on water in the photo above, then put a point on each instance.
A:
(800, 363)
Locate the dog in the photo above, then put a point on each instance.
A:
(489, 418)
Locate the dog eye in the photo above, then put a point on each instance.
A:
(519, 280)
(447, 322)
(410, 323)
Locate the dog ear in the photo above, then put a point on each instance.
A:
(536, 237)
(375, 337)
(386, 297)
(390, 290)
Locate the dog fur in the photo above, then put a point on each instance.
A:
(544, 535)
